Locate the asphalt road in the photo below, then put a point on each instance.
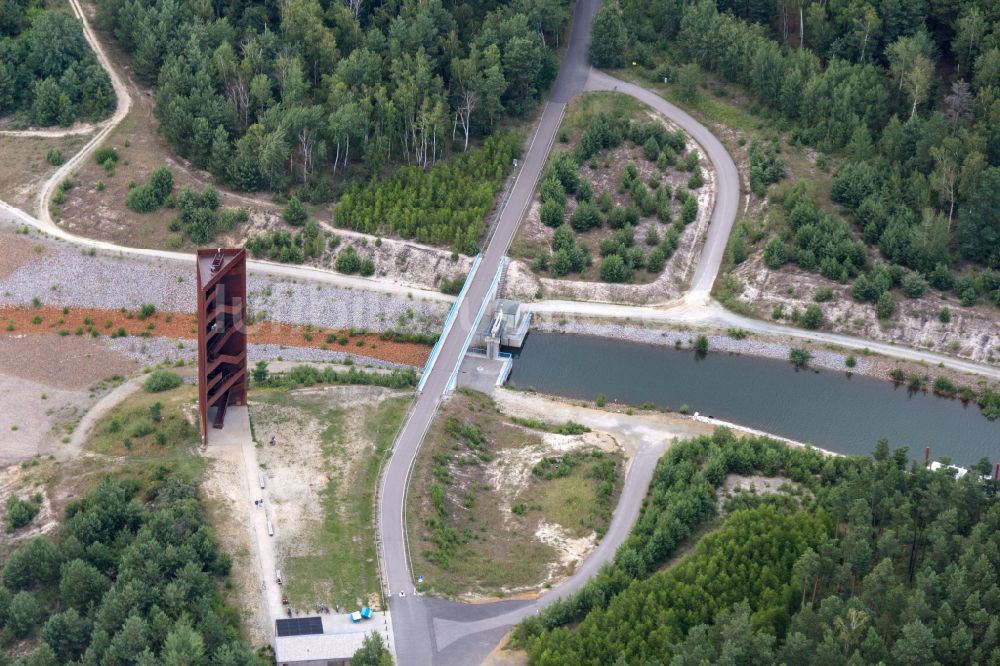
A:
(438, 631)
(415, 617)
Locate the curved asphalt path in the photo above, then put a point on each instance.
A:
(727, 190)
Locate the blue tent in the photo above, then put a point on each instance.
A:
(366, 613)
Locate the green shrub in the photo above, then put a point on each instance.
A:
(152, 195)
(689, 210)
(765, 167)
(142, 200)
(823, 294)
(452, 286)
(141, 428)
(278, 245)
(696, 180)
(656, 260)
(775, 253)
(552, 213)
(585, 217)
(106, 154)
(944, 387)
(885, 305)
(813, 317)
(161, 380)
(620, 217)
(445, 204)
(944, 315)
(54, 157)
(799, 357)
(614, 269)
(565, 168)
(161, 182)
(701, 345)
(295, 212)
(21, 512)
(348, 260)
(913, 285)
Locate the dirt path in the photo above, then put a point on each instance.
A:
(97, 412)
(77, 128)
(122, 109)
(630, 430)
(233, 483)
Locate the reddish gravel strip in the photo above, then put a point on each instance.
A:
(80, 321)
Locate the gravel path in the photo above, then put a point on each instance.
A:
(168, 351)
(64, 276)
(821, 358)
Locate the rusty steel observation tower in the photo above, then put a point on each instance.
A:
(222, 335)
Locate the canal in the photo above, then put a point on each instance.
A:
(830, 409)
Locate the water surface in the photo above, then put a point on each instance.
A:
(830, 409)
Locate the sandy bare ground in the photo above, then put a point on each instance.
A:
(303, 467)
(754, 483)
(226, 490)
(47, 383)
(67, 362)
(630, 430)
(24, 483)
(25, 165)
(17, 251)
(502, 656)
(973, 332)
(40, 421)
(612, 432)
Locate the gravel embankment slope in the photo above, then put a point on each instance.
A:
(61, 275)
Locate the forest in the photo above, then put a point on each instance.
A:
(445, 205)
(48, 74)
(906, 96)
(132, 577)
(275, 95)
(858, 560)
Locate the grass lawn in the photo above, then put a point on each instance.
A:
(148, 431)
(339, 562)
(475, 504)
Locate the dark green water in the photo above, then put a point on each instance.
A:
(827, 408)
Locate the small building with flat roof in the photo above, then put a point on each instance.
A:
(317, 649)
(325, 640)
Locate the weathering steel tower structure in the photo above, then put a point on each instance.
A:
(222, 335)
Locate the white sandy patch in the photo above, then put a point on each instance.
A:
(571, 550)
(17, 480)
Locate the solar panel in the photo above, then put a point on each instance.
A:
(299, 626)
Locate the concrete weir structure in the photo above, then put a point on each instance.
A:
(500, 323)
